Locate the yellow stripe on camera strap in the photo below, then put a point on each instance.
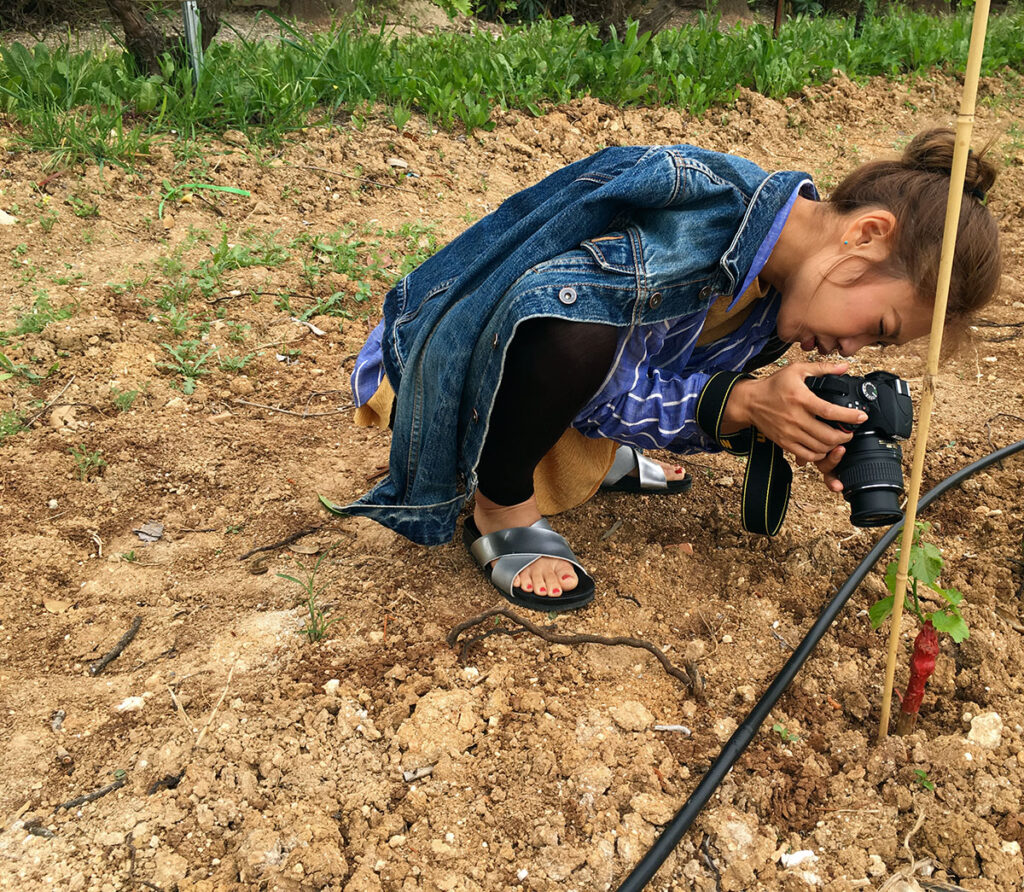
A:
(767, 480)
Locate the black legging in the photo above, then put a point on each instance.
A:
(553, 367)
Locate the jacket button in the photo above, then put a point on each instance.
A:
(706, 292)
(567, 296)
(655, 300)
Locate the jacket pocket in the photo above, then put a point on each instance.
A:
(410, 315)
(614, 252)
(404, 328)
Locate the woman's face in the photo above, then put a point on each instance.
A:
(837, 313)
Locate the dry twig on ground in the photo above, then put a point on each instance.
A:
(584, 638)
(126, 639)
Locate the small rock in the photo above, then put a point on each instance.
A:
(131, 704)
(632, 716)
(331, 687)
(594, 779)
(169, 869)
(242, 386)
(64, 419)
(876, 866)
(235, 138)
(398, 163)
(795, 859)
(6, 219)
(986, 730)
(654, 808)
(746, 693)
(724, 728)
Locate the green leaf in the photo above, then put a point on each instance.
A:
(880, 610)
(950, 594)
(890, 576)
(925, 562)
(951, 622)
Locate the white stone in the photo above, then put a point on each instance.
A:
(632, 716)
(795, 859)
(131, 704)
(6, 219)
(876, 866)
(986, 730)
(331, 687)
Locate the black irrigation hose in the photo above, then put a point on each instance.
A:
(739, 741)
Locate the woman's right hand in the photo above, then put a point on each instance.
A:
(784, 409)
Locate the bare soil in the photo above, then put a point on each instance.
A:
(253, 758)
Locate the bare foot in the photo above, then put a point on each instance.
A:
(672, 471)
(547, 577)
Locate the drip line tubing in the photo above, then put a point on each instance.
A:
(733, 749)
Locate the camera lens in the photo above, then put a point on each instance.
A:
(871, 472)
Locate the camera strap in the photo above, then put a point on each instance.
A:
(768, 476)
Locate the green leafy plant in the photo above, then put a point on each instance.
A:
(921, 776)
(317, 622)
(48, 219)
(11, 369)
(41, 314)
(82, 208)
(176, 321)
(130, 556)
(786, 735)
(234, 363)
(186, 361)
(78, 105)
(87, 463)
(123, 399)
(923, 571)
(10, 424)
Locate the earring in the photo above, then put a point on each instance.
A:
(846, 243)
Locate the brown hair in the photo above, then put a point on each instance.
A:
(915, 189)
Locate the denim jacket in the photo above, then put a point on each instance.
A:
(629, 236)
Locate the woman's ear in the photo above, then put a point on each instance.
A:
(869, 235)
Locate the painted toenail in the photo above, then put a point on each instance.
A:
(679, 470)
(556, 591)
(567, 576)
(542, 590)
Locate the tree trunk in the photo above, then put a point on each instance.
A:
(147, 43)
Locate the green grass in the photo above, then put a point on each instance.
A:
(88, 463)
(86, 105)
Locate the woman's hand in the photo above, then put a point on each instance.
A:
(786, 411)
(828, 464)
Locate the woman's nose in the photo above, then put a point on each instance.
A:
(849, 346)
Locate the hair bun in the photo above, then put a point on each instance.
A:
(932, 151)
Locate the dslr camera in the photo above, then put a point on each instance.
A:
(871, 471)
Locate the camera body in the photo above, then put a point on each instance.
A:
(871, 471)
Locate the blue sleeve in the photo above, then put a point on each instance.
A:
(369, 370)
(656, 412)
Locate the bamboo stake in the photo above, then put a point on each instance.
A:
(964, 127)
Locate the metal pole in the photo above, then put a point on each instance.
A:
(193, 42)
